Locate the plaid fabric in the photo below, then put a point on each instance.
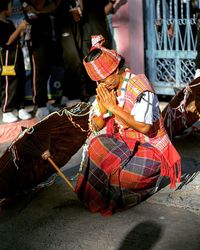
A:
(122, 167)
(115, 177)
(104, 65)
(157, 136)
(136, 85)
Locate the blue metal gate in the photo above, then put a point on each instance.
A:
(171, 39)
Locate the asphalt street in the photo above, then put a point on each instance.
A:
(51, 217)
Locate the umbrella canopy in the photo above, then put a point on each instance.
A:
(183, 110)
(61, 135)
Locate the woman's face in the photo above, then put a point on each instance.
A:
(112, 81)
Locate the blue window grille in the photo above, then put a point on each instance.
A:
(170, 43)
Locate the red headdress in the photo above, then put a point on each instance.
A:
(105, 64)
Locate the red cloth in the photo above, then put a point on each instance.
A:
(105, 64)
(157, 136)
(117, 176)
(10, 131)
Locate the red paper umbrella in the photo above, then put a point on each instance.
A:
(40, 150)
(183, 110)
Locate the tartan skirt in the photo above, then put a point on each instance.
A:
(117, 176)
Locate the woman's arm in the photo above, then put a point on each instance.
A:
(20, 28)
(109, 101)
(129, 120)
(97, 123)
(109, 7)
(97, 120)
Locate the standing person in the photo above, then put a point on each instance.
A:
(12, 87)
(38, 14)
(122, 166)
(70, 41)
(77, 21)
(95, 22)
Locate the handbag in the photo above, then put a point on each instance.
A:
(8, 70)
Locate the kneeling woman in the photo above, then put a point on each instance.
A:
(122, 165)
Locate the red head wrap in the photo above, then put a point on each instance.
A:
(105, 64)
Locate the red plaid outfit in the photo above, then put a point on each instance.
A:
(122, 166)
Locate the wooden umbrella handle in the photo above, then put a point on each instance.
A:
(47, 156)
(60, 173)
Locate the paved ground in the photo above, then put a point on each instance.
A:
(52, 218)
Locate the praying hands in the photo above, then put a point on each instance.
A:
(107, 99)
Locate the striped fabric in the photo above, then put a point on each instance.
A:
(112, 179)
(157, 135)
(122, 166)
(104, 65)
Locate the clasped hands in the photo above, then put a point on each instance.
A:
(106, 99)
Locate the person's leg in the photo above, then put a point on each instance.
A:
(8, 94)
(116, 176)
(72, 65)
(40, 78)
(20, 91)
(104, 159)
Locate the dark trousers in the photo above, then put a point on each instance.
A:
(12, 88)
(76, 81)
(72, 61)
(42, 61)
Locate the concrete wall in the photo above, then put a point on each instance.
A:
(128, 32)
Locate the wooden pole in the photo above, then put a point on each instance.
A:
(60, 173)
(47, 156)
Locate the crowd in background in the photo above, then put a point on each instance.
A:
(56, 35)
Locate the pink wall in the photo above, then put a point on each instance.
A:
(127, 23)
(120, 24)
